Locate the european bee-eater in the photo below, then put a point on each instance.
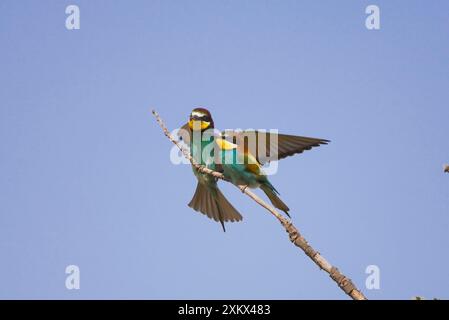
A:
(240, 163)
(207, 199)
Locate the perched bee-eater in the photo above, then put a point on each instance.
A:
(208, 199)
(229, 153)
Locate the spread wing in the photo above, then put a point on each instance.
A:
(266, 146)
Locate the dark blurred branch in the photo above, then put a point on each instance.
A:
(446, 168)
(295, 236)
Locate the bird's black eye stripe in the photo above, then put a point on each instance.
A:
(202, 118)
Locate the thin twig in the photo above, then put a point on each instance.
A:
(298, 240)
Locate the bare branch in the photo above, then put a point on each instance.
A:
(298, 240)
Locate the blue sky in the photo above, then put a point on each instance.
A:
(86, 174)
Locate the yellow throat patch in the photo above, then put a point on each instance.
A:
(198, 125)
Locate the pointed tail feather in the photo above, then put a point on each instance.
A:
(213, 204)
(270, 191)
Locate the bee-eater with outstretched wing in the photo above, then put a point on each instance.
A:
(263, 147)
(240, 163)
